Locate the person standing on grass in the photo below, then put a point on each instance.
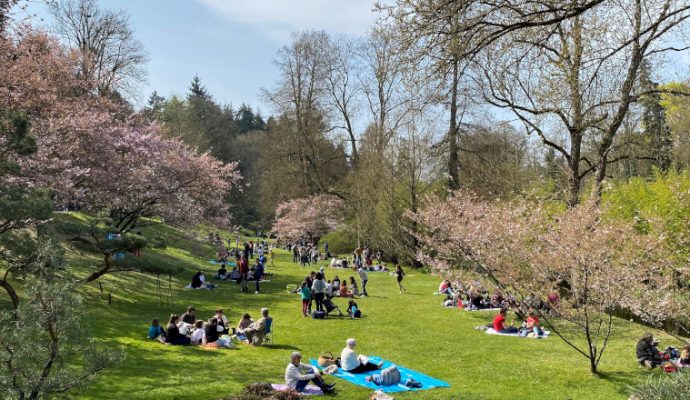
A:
(258, 275)
(305, 294)
(244, 271)
(271, 256)
(399, 275)
(318, 289)
(365, 278)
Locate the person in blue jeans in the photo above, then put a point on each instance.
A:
(258, 275)
(499, 323)
(298, 375)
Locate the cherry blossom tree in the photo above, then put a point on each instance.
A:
(533, 252)
(308, 216)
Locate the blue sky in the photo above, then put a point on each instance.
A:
(230, 44)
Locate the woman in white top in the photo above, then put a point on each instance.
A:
(199, 334)
(353, 363)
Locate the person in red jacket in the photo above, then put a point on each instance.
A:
(244, 271)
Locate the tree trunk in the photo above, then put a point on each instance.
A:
(11, 292)
(574, 178)
(101, 272)
(453, 160)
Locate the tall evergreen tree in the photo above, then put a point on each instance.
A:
(654, 120)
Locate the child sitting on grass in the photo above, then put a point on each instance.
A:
(352, 310)
(155, 330)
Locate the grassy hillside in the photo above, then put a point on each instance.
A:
(411, 329)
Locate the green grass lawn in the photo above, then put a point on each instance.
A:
(411, 329)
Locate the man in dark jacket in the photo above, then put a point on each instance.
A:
(647, 353)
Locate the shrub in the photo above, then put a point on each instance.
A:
(339, 242)
(665, 387)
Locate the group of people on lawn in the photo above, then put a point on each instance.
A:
(316, 289)
(298, 375)
(648, 354)
(215, 332)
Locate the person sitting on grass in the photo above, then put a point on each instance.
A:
(685, 355)
(257, 330)
(352, 310)
(187, 321)
(244, 323)
(354, 290)
(196, 280)
(213, 330)
(499, 323)
(336, 283)
(222, 272)
(298, 375)
(532, 323)
(222, 320)
(174, 336)
(155, 330)
(234, 274)
(445, 287)
(647, 354)
(199, 334)
(343, 290)
(351, 362)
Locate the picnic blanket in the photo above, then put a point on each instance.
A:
(230, 263)
(203, 287)
(492, 331)
(310, 390)
(483, 309)
(360, 379)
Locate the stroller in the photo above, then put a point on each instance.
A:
(330, 307)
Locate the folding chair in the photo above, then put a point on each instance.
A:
(268, 336)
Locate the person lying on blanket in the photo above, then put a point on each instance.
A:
(298, 375)
(388, 377)
(499, 323)
(351, 362)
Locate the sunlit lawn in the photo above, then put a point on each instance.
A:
(411, 329)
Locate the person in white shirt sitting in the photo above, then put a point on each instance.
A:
(199, 334)
(298, 375)
(353, 363)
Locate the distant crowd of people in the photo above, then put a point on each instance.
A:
(214, 332)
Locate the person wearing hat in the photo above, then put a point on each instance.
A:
(353, 363)
(298, 375)
(647, 354)
(323, 272)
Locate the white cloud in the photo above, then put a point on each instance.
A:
(279, 18)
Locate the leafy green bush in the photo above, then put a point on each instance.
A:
(70, 227)
(665, 387)
(662, 202)
(158, 242)
(339, 242)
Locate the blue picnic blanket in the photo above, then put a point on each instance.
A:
(230, 263)
(360, 379)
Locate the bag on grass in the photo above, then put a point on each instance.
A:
(319, 315)
(669, 367)
(326, 359)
